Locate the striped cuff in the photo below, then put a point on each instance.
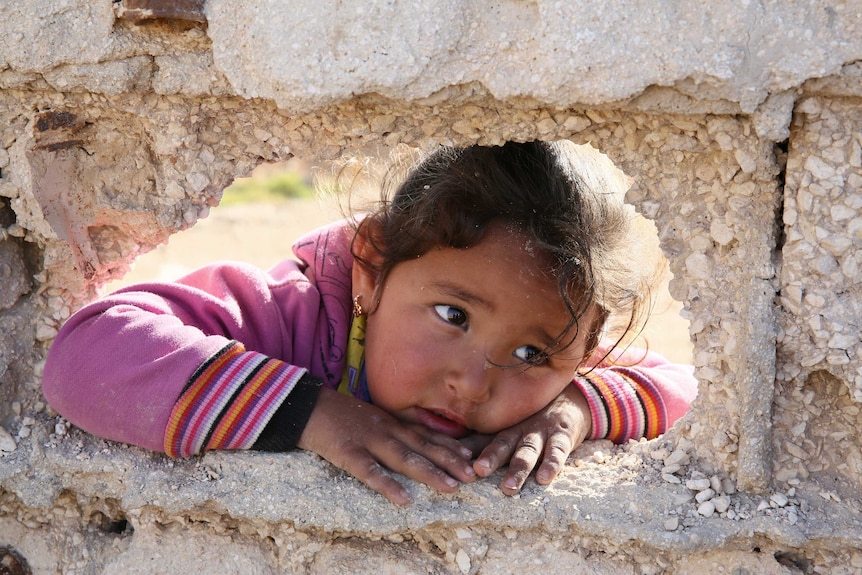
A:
(228, 401)
(624, 404)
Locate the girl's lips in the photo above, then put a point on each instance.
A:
(439, 422)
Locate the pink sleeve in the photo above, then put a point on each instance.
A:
(119, 366)
(636, 394)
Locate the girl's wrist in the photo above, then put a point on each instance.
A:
(577, 396)
(284, 430)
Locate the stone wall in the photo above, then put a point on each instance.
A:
(121, 122)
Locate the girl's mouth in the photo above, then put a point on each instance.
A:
(441, 422)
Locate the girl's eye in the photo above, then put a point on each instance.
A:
(530, 354)
(451, 314)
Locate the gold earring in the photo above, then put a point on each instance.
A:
(357, 307)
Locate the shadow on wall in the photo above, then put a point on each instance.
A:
(261, 216)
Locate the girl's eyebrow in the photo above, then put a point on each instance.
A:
(459, 292)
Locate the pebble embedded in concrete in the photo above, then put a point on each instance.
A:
(463, 561)
(697, 484)
(7, 442)
(707, 508)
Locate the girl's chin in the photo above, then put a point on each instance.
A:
(439, 423)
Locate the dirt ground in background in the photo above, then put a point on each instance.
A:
(262, 234)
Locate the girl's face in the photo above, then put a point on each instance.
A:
(456, 337)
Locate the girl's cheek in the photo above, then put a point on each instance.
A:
(424, 348)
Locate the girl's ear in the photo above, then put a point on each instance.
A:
(365, 266)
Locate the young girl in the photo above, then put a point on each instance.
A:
(468, 310)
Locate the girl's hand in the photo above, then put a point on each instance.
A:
(550, 435)
(366, 441)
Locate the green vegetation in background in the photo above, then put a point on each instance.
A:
(267, 189)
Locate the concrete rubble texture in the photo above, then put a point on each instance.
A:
(741, 124)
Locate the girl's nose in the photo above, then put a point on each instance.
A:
(469, 379)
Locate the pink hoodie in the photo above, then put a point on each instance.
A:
(121, 366)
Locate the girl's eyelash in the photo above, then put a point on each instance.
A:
(537, 360)
(448, 312)
(534, 355)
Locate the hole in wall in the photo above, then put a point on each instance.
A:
(794, 561)
(112, 525)
(260, 216)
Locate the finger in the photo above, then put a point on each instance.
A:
(475, 443)
(401, 458)
(557, 450)
(375, 477)
(455, 445)
(522, 463)
(448, 455)
(497, 453)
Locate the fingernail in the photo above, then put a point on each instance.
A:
(483, 463)
(470, 471)
(465, 452)
(510, 484)
(451, 482)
